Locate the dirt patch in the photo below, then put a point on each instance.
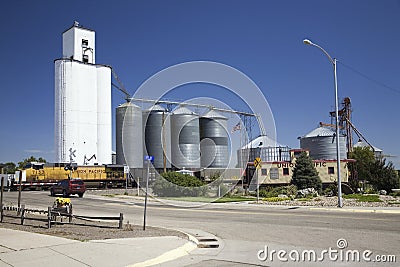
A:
(84, 230)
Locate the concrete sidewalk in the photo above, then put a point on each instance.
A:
(18, 248)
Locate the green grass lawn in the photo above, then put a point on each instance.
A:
(363, 198)
(212, 200)
(234, 199)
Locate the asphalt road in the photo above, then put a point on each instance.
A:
(243, 230)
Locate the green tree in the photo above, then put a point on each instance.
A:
(361, 169)
(8, 167)
(22, 164)
(384, 176)
(305, 175)
(378, 173)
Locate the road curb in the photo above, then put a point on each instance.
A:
(172, 254)
(391, 211)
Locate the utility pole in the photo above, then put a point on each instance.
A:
(148, 159)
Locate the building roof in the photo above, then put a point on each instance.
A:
(212, 114)
(263, 141)
(128, 104)
(320, 131)
(182, 111)
(362, 143)
(156, 108)
(77, 25)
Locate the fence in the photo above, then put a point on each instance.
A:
(52, 214)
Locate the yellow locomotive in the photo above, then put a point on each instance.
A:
(43, 175)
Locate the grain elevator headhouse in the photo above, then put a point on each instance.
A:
(82, 101)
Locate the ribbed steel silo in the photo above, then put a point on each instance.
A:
(129, 135)
(185, 139)
(214, 140)
(321, 142)
(157, 136)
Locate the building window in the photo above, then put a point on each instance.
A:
(274, 173)
(331, 170)
(85, 43)
(85, 59)
(264, 172)
(285, 171)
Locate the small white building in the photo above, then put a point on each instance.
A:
(83, 130)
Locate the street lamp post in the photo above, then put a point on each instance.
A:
(333, 61)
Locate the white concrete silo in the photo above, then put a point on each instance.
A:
(82, 101)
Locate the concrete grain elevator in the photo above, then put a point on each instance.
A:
(82, 101)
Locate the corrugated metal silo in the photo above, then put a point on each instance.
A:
(185, 139)
(321, 143)
(377, 151)
(157, 136)
(214, 140)
(129, 135)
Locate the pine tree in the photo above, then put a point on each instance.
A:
(305, 175)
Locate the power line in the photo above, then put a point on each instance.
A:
(370, 79)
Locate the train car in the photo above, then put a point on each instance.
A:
(44, 175)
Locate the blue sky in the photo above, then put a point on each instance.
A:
(263, 39)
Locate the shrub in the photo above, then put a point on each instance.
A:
(370, 191)
(264, 193)
(173, 184)
(395, 194)
(331, 190)
(289, 190)
(308, 193)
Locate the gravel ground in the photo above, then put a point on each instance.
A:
(322, 201)
(83, 230)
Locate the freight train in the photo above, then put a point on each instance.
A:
(44, 175)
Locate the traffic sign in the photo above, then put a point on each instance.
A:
(257, 163)
(126, 169)
(151, 158)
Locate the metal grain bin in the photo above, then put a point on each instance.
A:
(321, 143)
(185, 139)
(129, 135)
(157, 136)
(214, 140)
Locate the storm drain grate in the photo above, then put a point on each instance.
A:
(208, 240)
(208, 245)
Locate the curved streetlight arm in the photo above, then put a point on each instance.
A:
(308, 42)
(333, 61)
